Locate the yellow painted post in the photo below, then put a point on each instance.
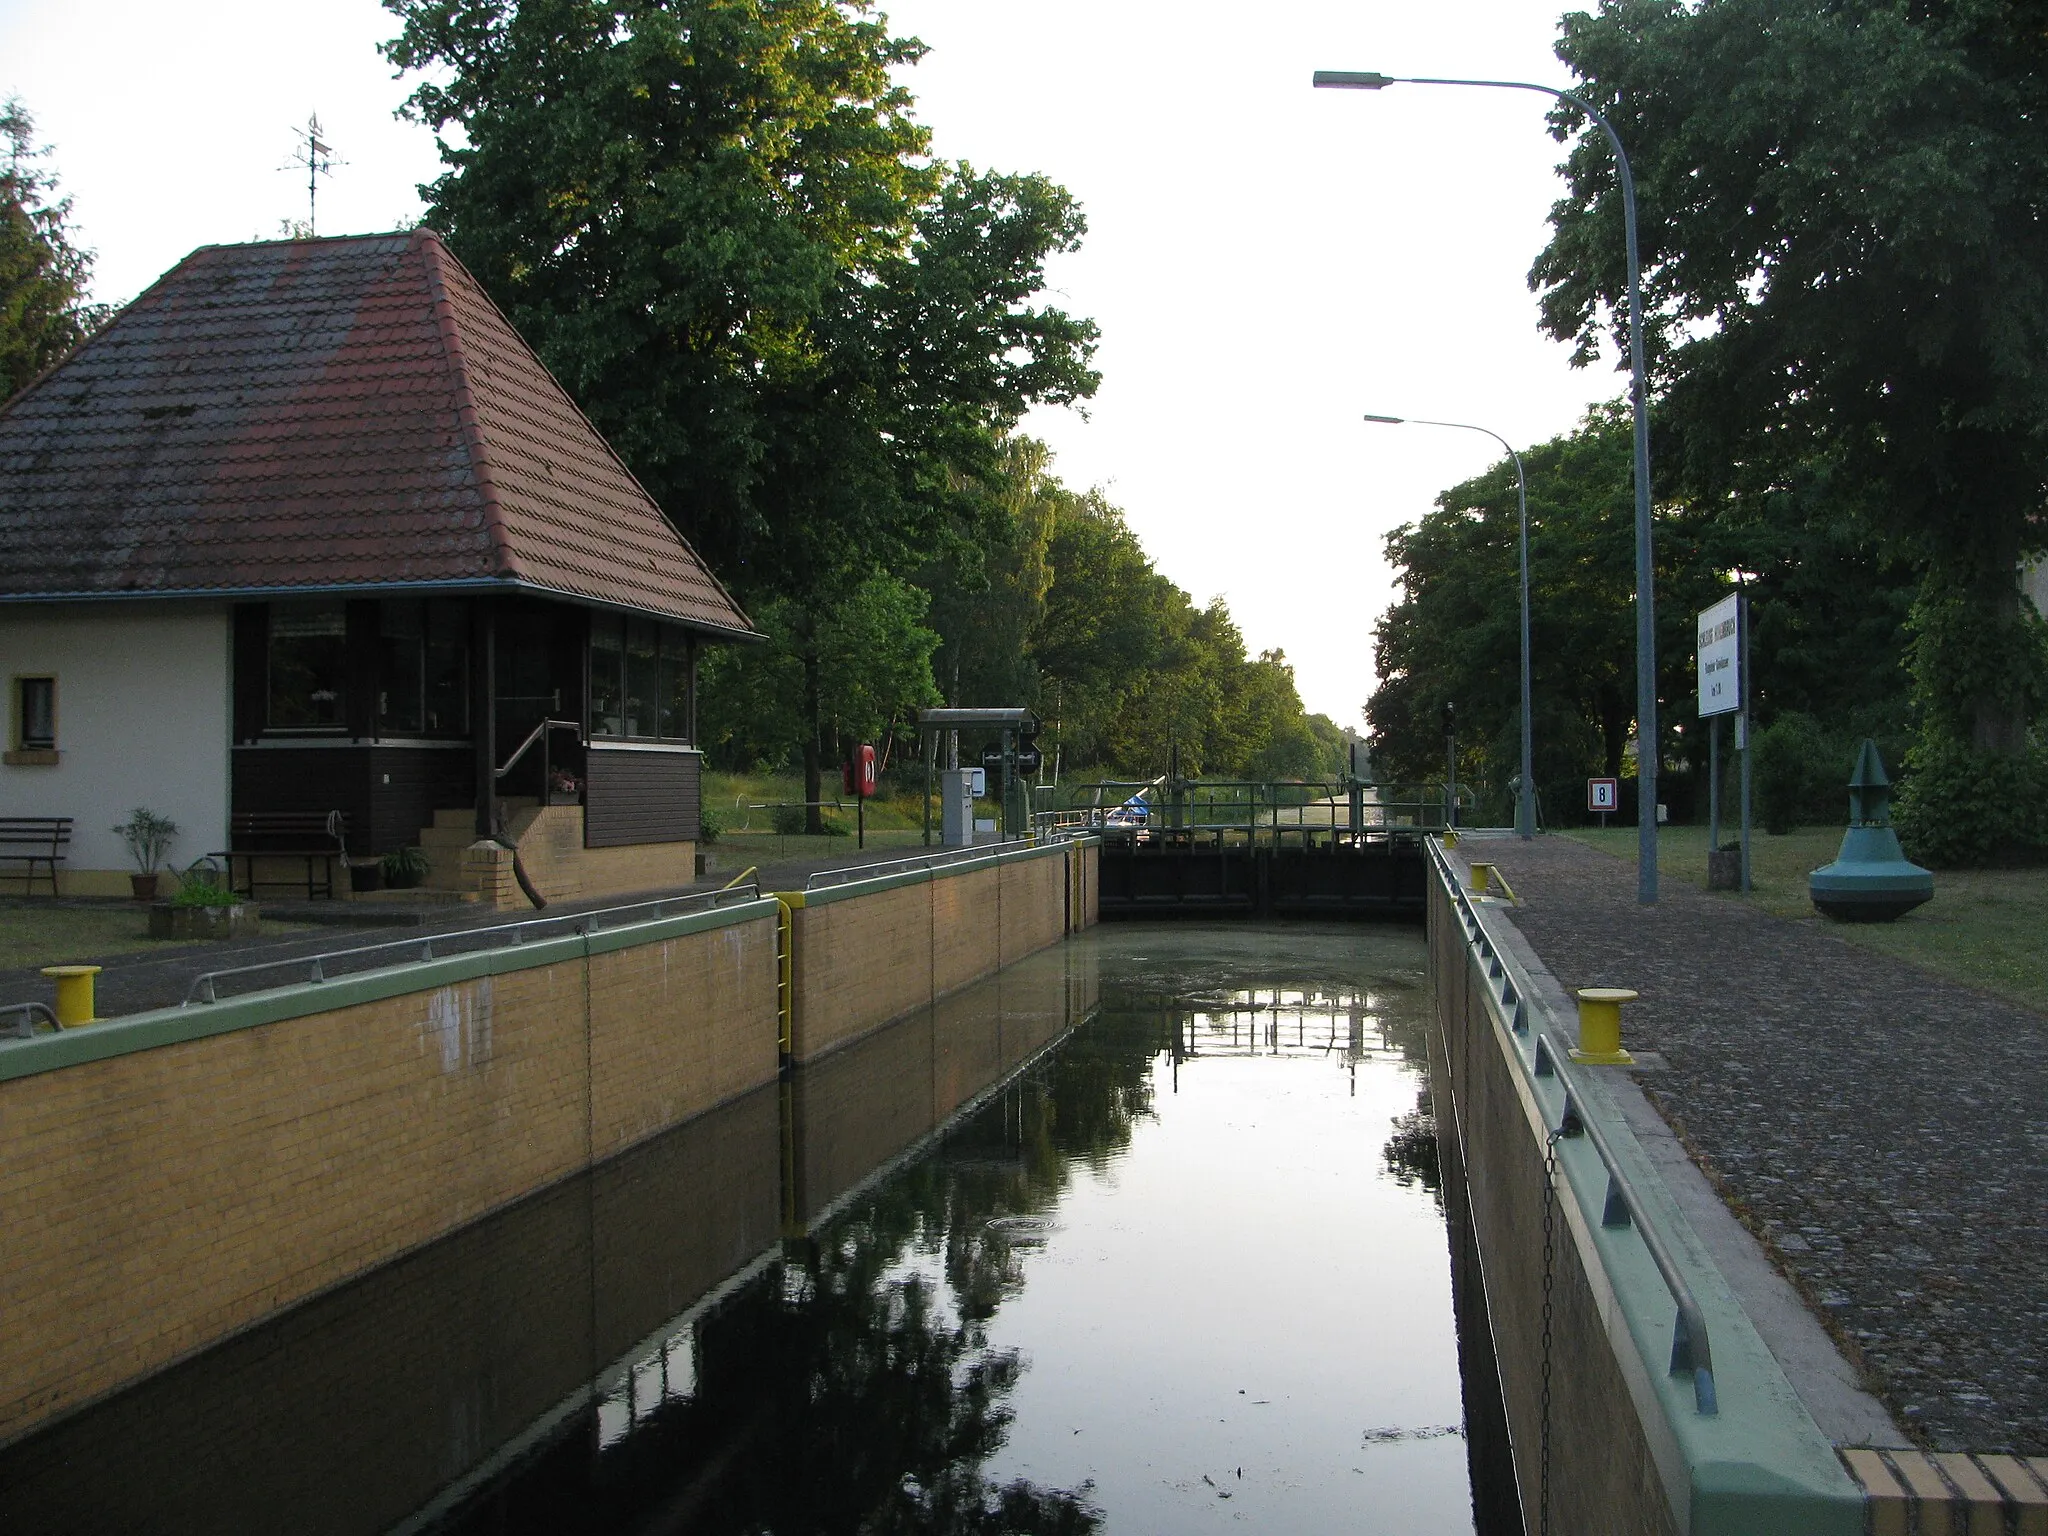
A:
(1600, 1026)
(1482, 877)
(74, 993)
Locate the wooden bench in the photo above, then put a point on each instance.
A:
(32, 840)
(318, 837)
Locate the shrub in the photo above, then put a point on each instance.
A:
(788, 820)
(710, 824)
(1958, 807)
(204, 893)
(1800, 773)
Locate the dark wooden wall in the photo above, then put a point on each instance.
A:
(641, 797)
(381, 816)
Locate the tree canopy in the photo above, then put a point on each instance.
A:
(44, 276)
(1846, 267)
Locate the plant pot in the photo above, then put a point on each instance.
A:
(195, 924)
(365, 877)
(1724, 869)
(144, 887)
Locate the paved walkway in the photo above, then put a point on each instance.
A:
(161, 976)
(1884, 1131)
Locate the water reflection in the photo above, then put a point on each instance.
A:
(975, 1273)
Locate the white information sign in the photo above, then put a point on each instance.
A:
(1721, 657)
(1603, 794)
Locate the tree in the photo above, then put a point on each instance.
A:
(44, 278)
(1844, 266)
(717, 222)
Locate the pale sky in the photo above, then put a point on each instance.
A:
(1267, 262)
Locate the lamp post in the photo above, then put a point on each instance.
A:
(1646, 615)
(1525, 800)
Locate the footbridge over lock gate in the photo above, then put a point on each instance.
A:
(1227, 847)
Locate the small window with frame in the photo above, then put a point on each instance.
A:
(34, 708)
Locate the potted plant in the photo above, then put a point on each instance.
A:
(203, 908)
(404, 868)
(564, 788)
(148, 837)
(366, 877)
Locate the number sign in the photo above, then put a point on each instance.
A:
(1603, 794)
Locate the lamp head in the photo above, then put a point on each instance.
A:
(1386, 421)
(1352, 80)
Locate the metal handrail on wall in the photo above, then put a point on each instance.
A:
(205, 988)
(29, 1012)
(1691, 1348)
(824, 879)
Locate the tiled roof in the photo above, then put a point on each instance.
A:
(319, 414)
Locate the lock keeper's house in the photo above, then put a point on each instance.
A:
(308, 529)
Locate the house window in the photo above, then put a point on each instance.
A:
(639, 679)
(35, 714)
(423, 668)
(308, 653)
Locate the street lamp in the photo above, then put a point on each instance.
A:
(1646, 615)
(1525, 800)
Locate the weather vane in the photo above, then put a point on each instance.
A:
(316, 154)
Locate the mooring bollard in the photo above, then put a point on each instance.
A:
(1482, 878)
(74, 993)
(1600, 1026)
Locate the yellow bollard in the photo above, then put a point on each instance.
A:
(1482, 878)
(74, 993)
(1600, 1026)
(1450, 837)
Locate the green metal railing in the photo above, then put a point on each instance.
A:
(1248, 812)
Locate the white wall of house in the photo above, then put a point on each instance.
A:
(143, 701)
(2034, 580)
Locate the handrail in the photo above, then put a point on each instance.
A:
(29, 1012)
(205, 988)
(1691, 1348)
(532, 736)
(848, 874)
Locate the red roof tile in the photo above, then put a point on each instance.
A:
(318, 414)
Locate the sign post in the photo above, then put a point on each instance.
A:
(1603, 796)
(1724, 690)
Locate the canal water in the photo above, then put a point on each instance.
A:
(1144, 1235)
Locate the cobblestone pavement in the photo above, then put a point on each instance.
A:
(1884, 1130)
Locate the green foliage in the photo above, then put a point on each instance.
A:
(787, 820)
(710, 824)
(44, 278)
(1848, 295)
(204, 893)
(1799, 773)
(1959, 808)
(404, 867)
(148, 837)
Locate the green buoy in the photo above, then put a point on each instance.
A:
(1870, 880)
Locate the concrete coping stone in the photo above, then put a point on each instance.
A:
(196, 1021)
(1760, 1464)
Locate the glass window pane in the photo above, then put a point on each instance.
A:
(38, 717)
(446, 683)
(401, 648)
(308, 646)
(607, 677)
(643, 677)
(672, 719)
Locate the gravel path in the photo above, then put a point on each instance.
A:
(1885, 1131)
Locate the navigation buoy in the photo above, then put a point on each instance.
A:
(1871, 880)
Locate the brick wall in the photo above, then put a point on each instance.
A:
(871, 953)
(177, 1194)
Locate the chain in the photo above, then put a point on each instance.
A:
(1549, 1217)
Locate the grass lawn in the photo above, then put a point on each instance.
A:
(38, 933)
(742, 801)
(1985, 927)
